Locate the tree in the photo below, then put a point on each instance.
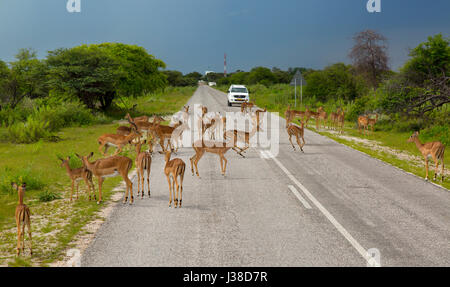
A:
(423, 85)
(25, 78)
(140, 70)
(261, 75)
(335, 81)
(86, 72)
(97, 74)
(369, 55)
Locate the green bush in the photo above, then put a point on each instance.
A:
(30, 131)
(32, 179)
(47, 195)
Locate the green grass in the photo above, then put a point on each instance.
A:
(38, 163)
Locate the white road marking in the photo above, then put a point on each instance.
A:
(299, 197)
(363, 252)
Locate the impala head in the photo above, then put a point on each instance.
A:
(64, 162)
(186, 109)
(85, 159)
(19, 188)
(204, 110)
(157, 119)
(167, 154)
(413, 137)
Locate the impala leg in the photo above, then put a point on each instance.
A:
(225, 164)
(221, 164)
(71, 192)
(436, 171)
(170, 191)
(142, 182)
(181, 187)
(129, 187)
(29, 234)
(426, 168)
(88, 187)
(442, 174)
(192, 165)
(100, 183)
(175, 179)
(299, 143)
(148, 178)
(23, 238)
(290, 139)
(18, 239)
(139, 182)
(78, 184)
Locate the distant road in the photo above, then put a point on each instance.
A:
(325, 207)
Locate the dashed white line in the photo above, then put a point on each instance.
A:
(299, 197)
(363, 252)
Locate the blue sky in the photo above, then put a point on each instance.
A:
(192, 35)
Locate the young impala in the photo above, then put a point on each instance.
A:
(143, 162)
(434, 150)
(78, 174)
(118, 141)
(22, 219)
(297, 131)
(173, 170)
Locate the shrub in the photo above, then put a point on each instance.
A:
(30, 131)
(47, 195)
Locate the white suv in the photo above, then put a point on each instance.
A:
(237, 94)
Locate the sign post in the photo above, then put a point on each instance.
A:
(298, 78)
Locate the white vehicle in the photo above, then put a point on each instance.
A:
(212, 84)
(237, 94)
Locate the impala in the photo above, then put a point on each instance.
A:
(341, 121)
(215, 147)
(371, 122)
(118, 141)
(297, 131)
(76, 175)
(334, 118)
(322, 115)
(173, 169)
(143, 162)
(432, 149)
(258, 117)
(241, 136)
(292, 114)
(22, 219)
(110, 167)
(310, 114)
(363, 122)
(245, 106)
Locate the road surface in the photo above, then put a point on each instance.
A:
(325, 207)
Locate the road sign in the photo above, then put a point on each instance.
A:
(298, 80)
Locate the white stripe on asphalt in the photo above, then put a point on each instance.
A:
(363, 252)
(300, 197)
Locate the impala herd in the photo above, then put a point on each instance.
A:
(209, 123)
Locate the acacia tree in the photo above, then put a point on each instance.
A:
(369, 56)
(97, 74)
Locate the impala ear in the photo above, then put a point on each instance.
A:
(90, 155)
(78, 156)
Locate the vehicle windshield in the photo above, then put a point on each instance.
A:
(239, 90)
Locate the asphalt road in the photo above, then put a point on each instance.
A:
(324, 207)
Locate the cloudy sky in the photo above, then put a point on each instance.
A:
(192, 35)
